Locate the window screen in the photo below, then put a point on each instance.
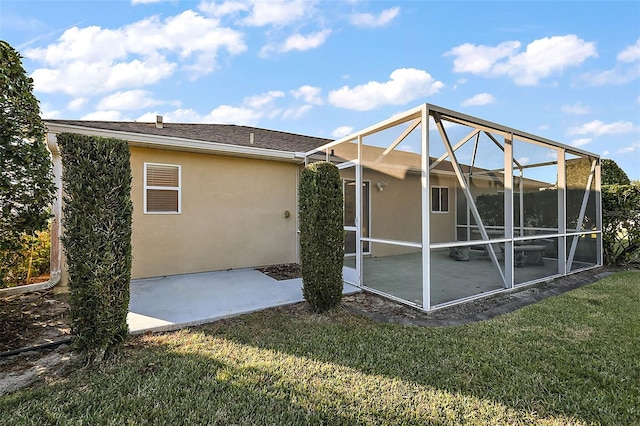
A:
(161, 188)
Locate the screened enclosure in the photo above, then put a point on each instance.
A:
(441, 207)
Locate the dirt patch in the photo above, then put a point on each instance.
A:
(32, 319)
(285, 271)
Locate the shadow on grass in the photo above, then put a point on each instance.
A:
(572, 356)
(569, 359)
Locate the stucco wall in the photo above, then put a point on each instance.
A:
(396, 209)
(233, 215)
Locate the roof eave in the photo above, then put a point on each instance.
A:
(177, 144)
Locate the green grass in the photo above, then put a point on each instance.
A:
(571, 359)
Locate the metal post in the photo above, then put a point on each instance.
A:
(426, 202)
(508, 210)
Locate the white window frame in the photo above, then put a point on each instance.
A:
(439, 188)
(165, 188)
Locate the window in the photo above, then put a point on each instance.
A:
(439, 199)
(161, 188)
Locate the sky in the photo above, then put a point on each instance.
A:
(564, 70)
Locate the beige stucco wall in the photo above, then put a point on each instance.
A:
(396, 209)
(233, 215)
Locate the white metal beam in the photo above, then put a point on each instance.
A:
(508, 211)
(426, 217)
(583, 209)
(562, 212)
(467, 193)
(455, 148)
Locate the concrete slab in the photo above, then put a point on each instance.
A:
(167, 303)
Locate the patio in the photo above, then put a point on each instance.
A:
(169, 303)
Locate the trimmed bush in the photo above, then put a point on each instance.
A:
(621, 224)
(321, 235)
(97, 213)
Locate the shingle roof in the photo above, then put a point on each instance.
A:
(221, 133)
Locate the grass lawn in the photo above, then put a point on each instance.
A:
(571, 359)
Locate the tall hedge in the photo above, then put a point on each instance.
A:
(621, 224)
(321, 235)
(97, 212)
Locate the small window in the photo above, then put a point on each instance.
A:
(161, 188)
(439, 199)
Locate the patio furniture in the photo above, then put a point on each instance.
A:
(459, 253)
(529, 254)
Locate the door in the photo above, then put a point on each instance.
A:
(349, 191)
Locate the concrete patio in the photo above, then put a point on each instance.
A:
(168, 303)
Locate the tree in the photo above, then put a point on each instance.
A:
(26, 184)
(612, 174)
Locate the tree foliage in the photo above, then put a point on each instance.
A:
(612, 174)
(321, 235)
(26, 184)
(621, 224)
(97, 217)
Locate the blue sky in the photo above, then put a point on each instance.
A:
(568, 71)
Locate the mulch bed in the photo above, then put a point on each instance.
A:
(286, 271)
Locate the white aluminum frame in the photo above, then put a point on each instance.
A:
(420, 116)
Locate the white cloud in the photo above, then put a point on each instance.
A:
(224, 114)
(404, 85)
(524, 160)
(216, 9)
(577, 109)
(621, 73)
(480, 59)
(369, 20)
(103, 116)
(46, 111)
(262, 100)
(296, 112)
(630, 148)
(598, 128)
(342, 131)
(305, 42)
(309, 94)
(604, 153)
(631, 53)
(479, 99)
(541, 58)
(581, 141)
(77, 103)
(277, 12)
(128, 100)
(297, 42)
(92, 59)
(233, 115)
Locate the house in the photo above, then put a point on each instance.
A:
(206, 197)
(423, 190)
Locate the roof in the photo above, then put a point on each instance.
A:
(227, 134)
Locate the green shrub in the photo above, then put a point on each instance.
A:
(30, 261)
(621, 224)
(97, 213)
(321, 235)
